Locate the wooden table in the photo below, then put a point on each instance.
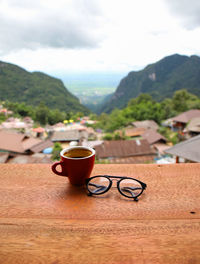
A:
(45, 220)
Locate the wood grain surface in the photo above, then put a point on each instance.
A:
(43, 219)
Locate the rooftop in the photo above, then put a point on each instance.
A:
(68, 135)
(193, 125)
(188, 149)
(146, 124)
(123, 148)
(16, 142)
(153, 136)
(185, 117)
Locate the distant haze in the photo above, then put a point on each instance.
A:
(97, 83)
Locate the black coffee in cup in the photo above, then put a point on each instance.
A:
(77, 153)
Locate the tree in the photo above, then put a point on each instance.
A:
(56, 116)
(183, 101)
(108, 136)
(56, 151)
(2, 118)
(24, 110)
(41, 114)
(142, 98)
(167, 107)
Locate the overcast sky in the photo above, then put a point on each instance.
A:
(96, 35)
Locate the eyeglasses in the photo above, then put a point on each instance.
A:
(127, 186)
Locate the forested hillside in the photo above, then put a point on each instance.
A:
(19, 85)
(160, 80)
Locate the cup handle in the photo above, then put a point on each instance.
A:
(53, 167)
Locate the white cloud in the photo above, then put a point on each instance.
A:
(187, 11)
(97, 35)
(56, 24)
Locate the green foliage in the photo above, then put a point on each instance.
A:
(2, 118)
(117, 136)
(93, 116)
(114, 136)
(18, 85)
(108, 136)
(170, 135)
(56, 151)
(76, 116)
(41, 113)
(106, 161)
(56, 116)
(183, 101)
(167, 108)
(117, 120)
(145, 108)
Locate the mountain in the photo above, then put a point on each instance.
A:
(160, 80)
(19, 85)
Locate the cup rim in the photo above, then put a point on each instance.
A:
(75, 147)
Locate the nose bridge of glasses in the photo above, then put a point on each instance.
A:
(114, 182)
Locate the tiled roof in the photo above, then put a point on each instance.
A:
(134, 131)
(123, 148)
(153, 137)
(38, 129)
(188, 149)
(92, 144)
(68, 135)
(16, 142)
(41, 146)
(11, 141)
(161, 147)
(146, 124)
(30, 159)
(193, 125)
(187, 116)
(133, 160)
(29, 142)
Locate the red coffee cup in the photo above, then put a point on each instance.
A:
(76, 163)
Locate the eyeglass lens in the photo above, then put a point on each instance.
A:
(130, 188)
(98, 185)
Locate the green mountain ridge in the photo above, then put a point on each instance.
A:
(19, 85)
(160, 80)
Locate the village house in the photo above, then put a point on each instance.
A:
(16, 143)
(193, 127)
(180, 121)
(16, 146)
(28, 120)
(91, 144)
(125, 151)
(39, 132)
(156, 140)
(15, 123)
(5, 111)
(138, 128)
(146, 124)
(131, 132)
(189, 150)
(68, 136)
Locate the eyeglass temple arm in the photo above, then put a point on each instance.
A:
(144, 186)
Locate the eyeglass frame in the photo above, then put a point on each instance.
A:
(109, 177)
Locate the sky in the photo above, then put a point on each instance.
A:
(72, 36)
